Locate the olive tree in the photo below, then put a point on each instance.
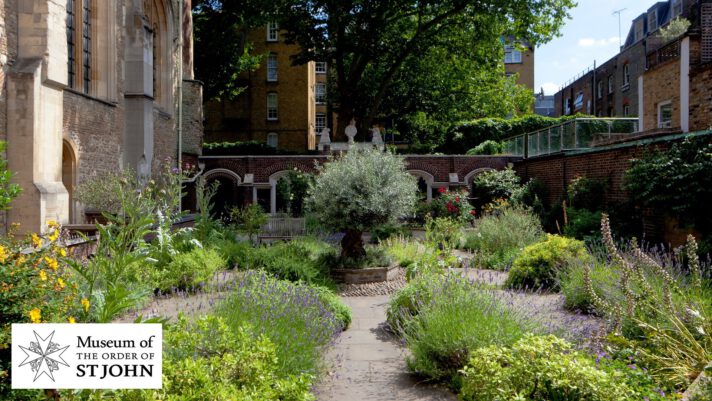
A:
(360, 191)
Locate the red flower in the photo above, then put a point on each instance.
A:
(442, 190)
(457, 199)
(473, 212)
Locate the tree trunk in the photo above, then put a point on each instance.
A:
(352, 245)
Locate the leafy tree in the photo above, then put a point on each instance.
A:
(369, 43)
(674, 30)
(360, 191)
(222, 52)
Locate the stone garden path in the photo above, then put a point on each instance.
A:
(368, 363)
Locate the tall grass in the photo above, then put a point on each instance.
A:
(498, 238)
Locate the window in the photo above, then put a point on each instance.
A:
(626, 75)
(611, 84)
(272, 139)
(320, 93)
(321, 67)
(599, 89)
(272, 67)
(676, 8)
(512, 55)
(578, 102)
(653, 21)
(272, 102)
(626, 110)
(272, 32)
(665, 114)
(83, 66)
(320, 122)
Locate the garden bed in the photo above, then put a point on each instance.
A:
(365, 275)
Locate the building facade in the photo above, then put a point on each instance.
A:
(519, 60)
(283, 105)
(90, 87)
(611, 88)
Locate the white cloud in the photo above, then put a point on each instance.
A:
(591, 42)
(550, 88)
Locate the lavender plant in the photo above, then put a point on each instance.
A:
(292, 316)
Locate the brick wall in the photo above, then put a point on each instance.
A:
(701, 98)
(661, 84)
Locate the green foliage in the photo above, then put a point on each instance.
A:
(488, 147)
(297, 260)
(373, 257)
(603, 277)
(586, 193)
(209, 360)
(498, 238)
(188, 270)
(386, 231)
(8, 191)
(246, 148)
(453, 205)
(452, 319)
(405, 251)
(405, 304)
(292, 316)
(362, 190)
(442, 233)
(341, 312)
(539, 264)
(292, 191)
(537, 368)
(583, 224)
(494, 185)
(676, 182)
(676, 28)
(471, 134)
(249, 219)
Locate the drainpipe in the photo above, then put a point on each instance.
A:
(180, 94)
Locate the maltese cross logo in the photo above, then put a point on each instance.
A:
(44, 356)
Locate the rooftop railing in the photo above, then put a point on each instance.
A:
(580, 133)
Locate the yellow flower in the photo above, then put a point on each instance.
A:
(85, 304)
(43, 275)
(3, 254)
(36, 240)
(53, 235)
(61, 283)
(52, 224)
(51, 262)
(71, 320)
(63, 252)
(35, 315)
(20, 261)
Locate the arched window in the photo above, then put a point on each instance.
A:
(160, 25)
(79, 45)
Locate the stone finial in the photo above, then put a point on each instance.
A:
(325, 140)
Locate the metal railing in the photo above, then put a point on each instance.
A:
(282, 226)
(580, 133)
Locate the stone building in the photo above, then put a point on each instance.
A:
(92, 86)
(611, 88)
(283, 105)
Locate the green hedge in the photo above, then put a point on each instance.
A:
(468, 135)
(246, 148)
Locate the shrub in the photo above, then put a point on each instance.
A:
(374, 257)
(583, 224)
(668, 319)
(297, 260)
(188, 270)
(498, 238)
(292, 191)
(237, 254)
(359, 191)
(209, 360)
(405, 304)
(493, 185)
(452, 205)
(537, 368)
(404, 251)
(586, 193)
(538, 265)
(248, 219)
(488, 147)
(292, 316)
(572, 284)
(457, 319)
(386, 231)
(341, 312)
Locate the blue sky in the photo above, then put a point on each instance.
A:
(591, 34)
